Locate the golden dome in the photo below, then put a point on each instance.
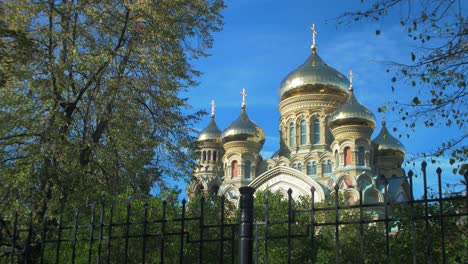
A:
(211, 132)
(243, 129)
(313, 75)
(386, 142)
(352, 111)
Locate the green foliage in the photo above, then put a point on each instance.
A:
(438, 65)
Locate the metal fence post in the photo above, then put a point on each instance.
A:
(246, 225)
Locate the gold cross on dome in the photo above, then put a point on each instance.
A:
(314, 34)
(244, 94)
(350, 79)
(212, 108)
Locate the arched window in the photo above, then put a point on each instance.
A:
(309, 168)
(324, 168)
(337, 158)
(329, 166)
(204, 156)
(361, 155)
(316, 131)
(209, 155)
(294, 166)
(314, 168)
(347, 156)
(291, 134)
(303, 132)
(234, 169)
(299, 167)
(247, 165)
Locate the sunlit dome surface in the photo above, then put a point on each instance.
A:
(353, 110)
(385, 141)
(243, 129)
(211, 132)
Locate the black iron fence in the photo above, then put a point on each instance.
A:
(265, 229)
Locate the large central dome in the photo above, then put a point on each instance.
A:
(313, 75)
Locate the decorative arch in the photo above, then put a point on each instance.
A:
(371, 195)
(284, 178)
(346, 181)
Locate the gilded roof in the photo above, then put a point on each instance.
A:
(386, 141)
(352, 109)
(211, 132)
(314, 71)
(243, 129)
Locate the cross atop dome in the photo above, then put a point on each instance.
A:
(314, 34)
(244, 94)
(212, 108)
(350, 80)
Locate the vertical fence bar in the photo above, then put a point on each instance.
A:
(267, 224)
(426, 215)
(233, 229)
(163, 233)
(221, 245)
(387, 227)
(312, 224)
(28, 239)
(43, 236)
(75, 228)
(289, 223)
(201, 225)
(412, 218)
(145, 230)
(127, 230)
(101, 227)
(109, 233)
(256, 244)
(337, 238)
(182, 233)
(361, 228)
(246, 224)
(91, 232)
(13, 242)
(441, 215)
(59, 235)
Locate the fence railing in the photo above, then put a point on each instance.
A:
(265, 229)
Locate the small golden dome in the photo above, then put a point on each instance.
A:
(352, 111)
(386, 142)
(243, 129)
(312, 76)
(211, 132)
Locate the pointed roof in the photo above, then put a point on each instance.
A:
(385, 141)
(243, 128)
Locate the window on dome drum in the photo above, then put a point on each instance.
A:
(291, 134)
(309, 168)
(247, 166)
(361, 154)
(329, 166)
(209, 155)
(316, 131)
(303, 132)
(324, 168)
(337, 158)
(294, 166)
(204, 156)
(347, 156)
(214, 155)
(299, 167)
(314, 168)
(234, 169)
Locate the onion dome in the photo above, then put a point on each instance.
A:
(211, 132)
(314, 75)
(387, 143)
(352, 112)
(243, 129)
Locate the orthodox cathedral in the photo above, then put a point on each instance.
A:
(325, 143)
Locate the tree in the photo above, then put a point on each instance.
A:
(438, 65)
(96, 109)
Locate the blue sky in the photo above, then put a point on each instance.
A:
(263, 40)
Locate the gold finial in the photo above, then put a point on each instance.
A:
(351, 80)
(314, 34)
(244, 94)
(212, 108)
